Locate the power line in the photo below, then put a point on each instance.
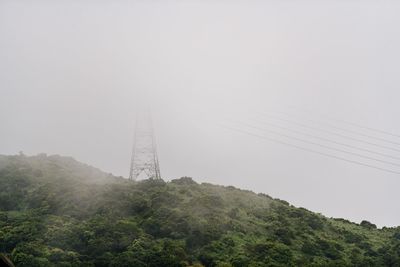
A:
(367, 128)
(331, 141)
(311, 150)
(351, 123)
(337, 134)
(342, 129)
(321, 145)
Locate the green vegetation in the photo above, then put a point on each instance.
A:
(55, 211)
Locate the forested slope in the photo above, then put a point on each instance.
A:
(55, 211)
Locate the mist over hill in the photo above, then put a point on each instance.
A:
(56, 211)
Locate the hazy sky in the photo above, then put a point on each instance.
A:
(73, 72)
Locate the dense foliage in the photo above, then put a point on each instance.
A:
(55, 211)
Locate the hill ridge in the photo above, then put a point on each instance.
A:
(56, 211)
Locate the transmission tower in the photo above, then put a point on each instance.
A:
(144, 153)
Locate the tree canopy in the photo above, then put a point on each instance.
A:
(55, 211)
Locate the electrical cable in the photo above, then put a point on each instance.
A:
(312, 151)
(321, 145)
(330, 141)
(337, 134)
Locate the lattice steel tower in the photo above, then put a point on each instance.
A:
(144, 153)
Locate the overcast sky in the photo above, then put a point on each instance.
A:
(73, 72)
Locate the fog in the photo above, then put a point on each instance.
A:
(72, 74)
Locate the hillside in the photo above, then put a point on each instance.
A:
(55, 211)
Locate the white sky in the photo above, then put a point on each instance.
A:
(73, 72)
